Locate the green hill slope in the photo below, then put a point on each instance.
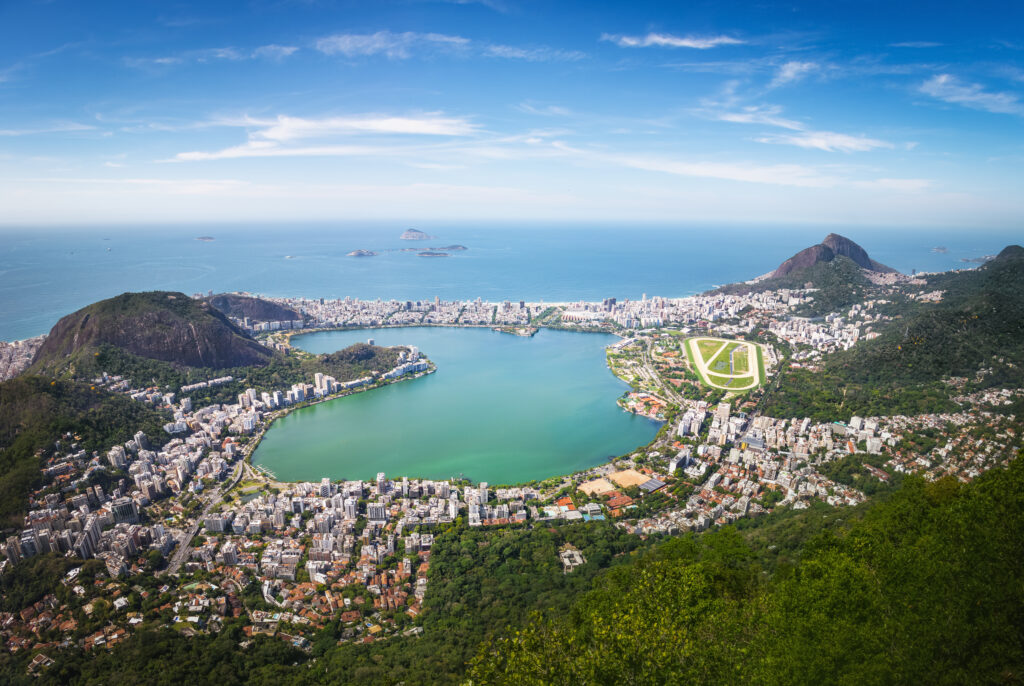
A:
(159, 325)
(35, 412)
(978, 327)
(924, 589)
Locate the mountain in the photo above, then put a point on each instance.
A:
(976, 331)
(242, 306)
(833, 246)
(158, 325)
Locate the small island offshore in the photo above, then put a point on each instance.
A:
(416, 235)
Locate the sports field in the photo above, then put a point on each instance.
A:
(725, 364)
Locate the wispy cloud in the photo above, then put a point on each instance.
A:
(827, 141)
(791, 72)
(545, 111)
(492, 4)
(274, 51)
(55, 128)
(916, 44)
(275, 137)
(207, 55)
(284, 129)
(800, 136)
(950, 89)
(539, 54)
(756, 114)
(392, 45)
(665, 40)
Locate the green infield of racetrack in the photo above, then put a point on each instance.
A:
(738, 384)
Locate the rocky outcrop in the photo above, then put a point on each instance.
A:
(242, 306)
(416, 235)
(159, 325)
(833, 246)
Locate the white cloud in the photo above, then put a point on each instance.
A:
(664, 40)
(549, 111)
(768, 115)
(949, 89)
(392, 45)
(791, 72)
(775, 174)
(827, 141)
(56, 128)
(541, 54)
(274, 52)
(284, 129)
(272, 137)
(916, 44)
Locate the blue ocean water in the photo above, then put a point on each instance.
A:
(47, 273)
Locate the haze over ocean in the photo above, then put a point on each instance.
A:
(45, 274)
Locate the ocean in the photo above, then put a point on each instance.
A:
(47, 273)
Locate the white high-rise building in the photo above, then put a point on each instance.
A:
(377, 512)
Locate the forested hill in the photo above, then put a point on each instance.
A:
(924, 589)
(242, 306)
(35, 412)
(159, 325)
(978, 325)
(976, 331)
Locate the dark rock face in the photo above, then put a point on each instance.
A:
(826, 251)
(1011, 252)
(241, 306)
(169, 327)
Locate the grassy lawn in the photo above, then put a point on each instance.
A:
(740, 360)
(708, 348)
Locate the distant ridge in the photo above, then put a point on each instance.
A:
(833, 246)
(241, 306)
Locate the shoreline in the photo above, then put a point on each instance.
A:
(272, 480)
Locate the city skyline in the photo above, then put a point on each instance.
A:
(719, 112)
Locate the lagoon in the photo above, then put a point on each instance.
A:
(501, 408)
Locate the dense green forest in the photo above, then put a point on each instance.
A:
(977, 327)
(924, 587)
(36, 412)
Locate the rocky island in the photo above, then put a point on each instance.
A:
(416, 235)
(362, 253)
(433, 253)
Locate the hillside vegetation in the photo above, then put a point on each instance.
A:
(925, 588)
(242, 306)
(35, 412)
(976, 331)
(158, 325)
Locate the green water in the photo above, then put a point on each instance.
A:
(500, 408)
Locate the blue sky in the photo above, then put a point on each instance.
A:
(880, 113)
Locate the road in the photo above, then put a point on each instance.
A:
(184, 548)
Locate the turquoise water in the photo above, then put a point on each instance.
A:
(500, 408)
(46, 273)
